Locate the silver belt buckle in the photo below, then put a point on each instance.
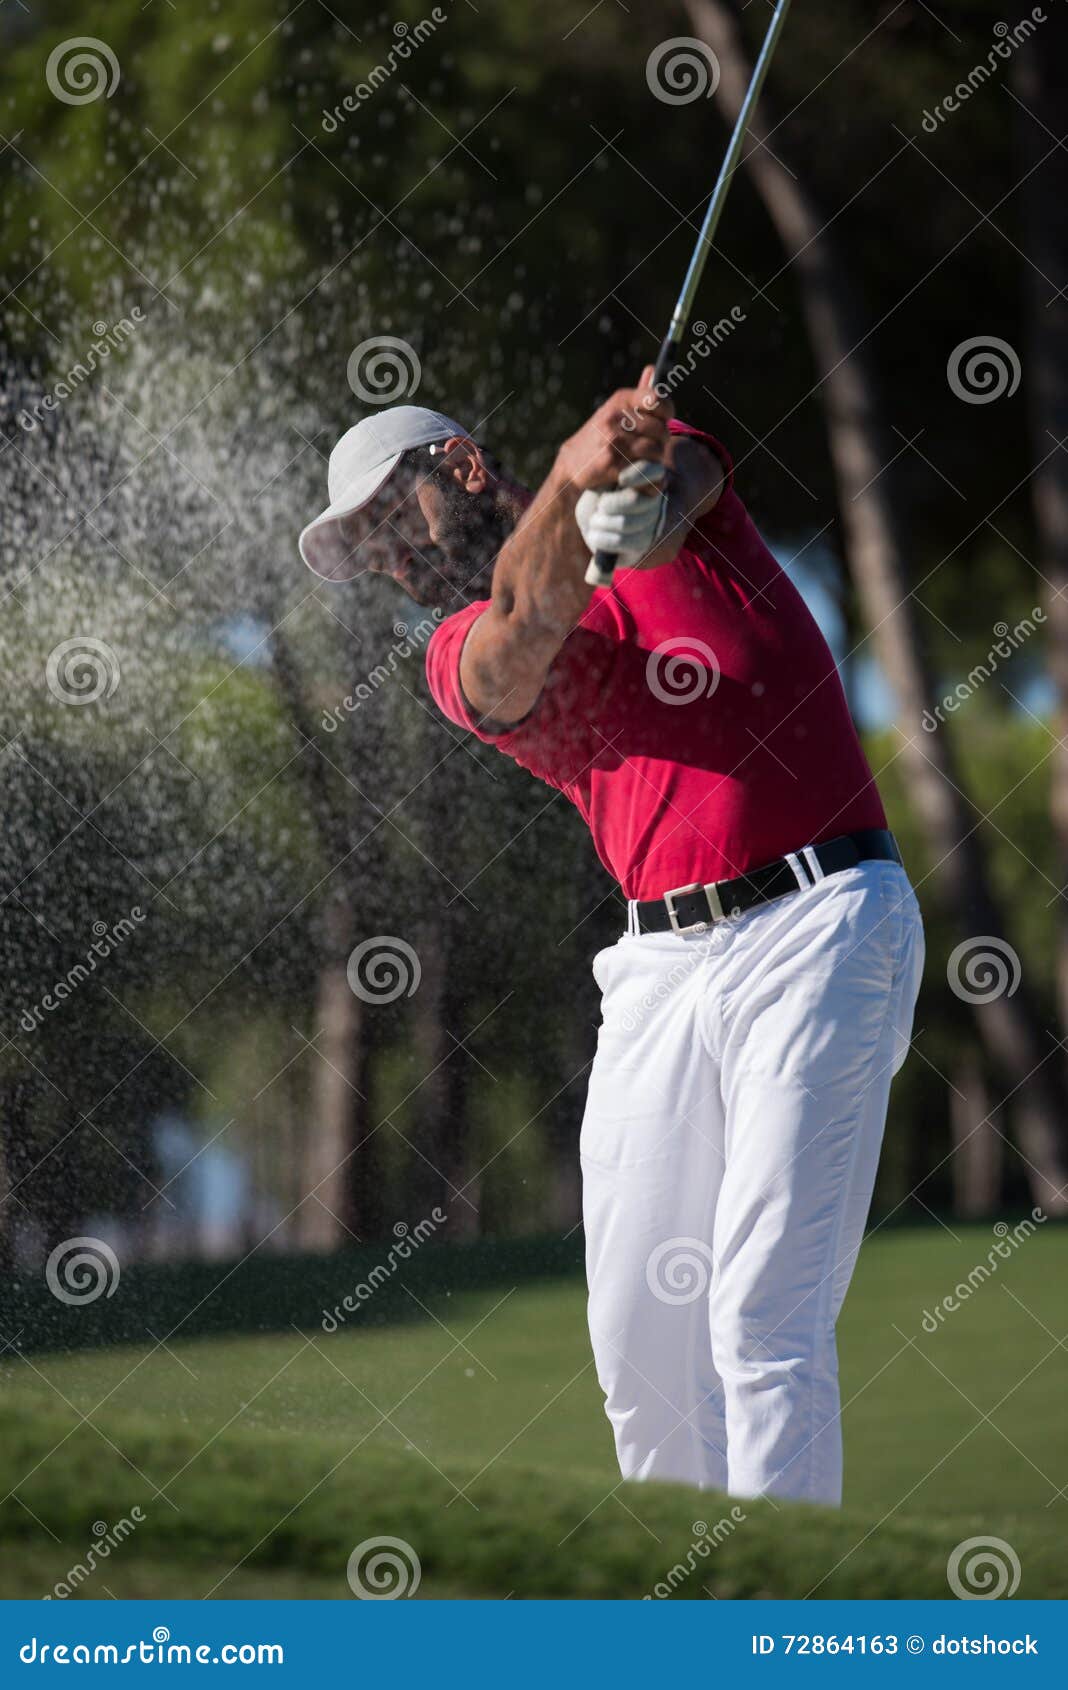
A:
(712, 897)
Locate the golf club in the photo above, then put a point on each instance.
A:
(602, 565)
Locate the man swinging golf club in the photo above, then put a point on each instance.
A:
(761, 998)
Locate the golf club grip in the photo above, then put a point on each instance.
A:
(602, 565)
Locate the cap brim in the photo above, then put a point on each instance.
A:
(323, 545)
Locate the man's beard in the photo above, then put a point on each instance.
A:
(471, 534)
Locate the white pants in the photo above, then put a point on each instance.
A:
(729, 1149)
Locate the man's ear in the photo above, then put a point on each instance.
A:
(466, 465)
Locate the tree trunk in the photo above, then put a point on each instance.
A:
(1041, 78)
(1024, 1055)
(7, 1216)
(331, 1135)
(439, 1174)
(979, 1146)
(366, 1196)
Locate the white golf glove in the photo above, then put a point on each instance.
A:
(624, 520)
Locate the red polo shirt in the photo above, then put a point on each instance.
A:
(694, 717)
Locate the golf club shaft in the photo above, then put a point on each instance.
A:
(602, 566)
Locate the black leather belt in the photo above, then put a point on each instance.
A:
(689, 909)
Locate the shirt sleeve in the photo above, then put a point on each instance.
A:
(714, 445)
(716, 531)
(567, 732)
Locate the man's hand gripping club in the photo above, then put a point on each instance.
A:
(539, 592)
(647, 487)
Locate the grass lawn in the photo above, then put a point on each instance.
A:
(477, 1435)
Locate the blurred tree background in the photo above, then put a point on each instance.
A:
(193, 243)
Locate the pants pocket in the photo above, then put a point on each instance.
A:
(907, 982)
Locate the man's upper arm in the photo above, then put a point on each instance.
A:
(502, 667)
(443, 668)
(561, 734)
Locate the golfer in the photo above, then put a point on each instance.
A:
(761, 998)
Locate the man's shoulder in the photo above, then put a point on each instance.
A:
(462, 615)
(443, 653)
(454, 624)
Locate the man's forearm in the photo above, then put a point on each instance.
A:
(538, 576)
(538, 596)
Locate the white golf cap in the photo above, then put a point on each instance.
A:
(361, 462)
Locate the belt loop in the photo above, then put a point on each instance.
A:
(814, 865)
(633, 927)
(799, 874)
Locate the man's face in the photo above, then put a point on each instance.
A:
(436, 528)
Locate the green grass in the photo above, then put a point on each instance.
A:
(478, 1436)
